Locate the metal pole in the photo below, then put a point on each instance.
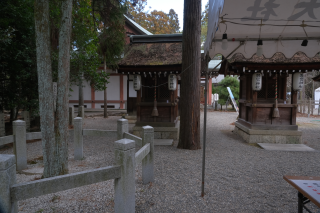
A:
(204, 133)
(205, 118)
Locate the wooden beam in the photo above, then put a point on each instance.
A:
(150, 68)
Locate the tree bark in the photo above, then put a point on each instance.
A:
(54, 126)
(190, 78)
(105, 108)
(44, 71)
(60, 165)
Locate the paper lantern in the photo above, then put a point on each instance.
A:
(172, 82)
(224, 42)
(259, 48)
(136, 82)
(297, 81)
(256, 82)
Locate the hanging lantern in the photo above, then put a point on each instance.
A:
(259, 48)
(172, 82)
(136, 82)
(224, 41)
(297, 81)
(256, 82)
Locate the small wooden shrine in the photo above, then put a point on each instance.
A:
(145, 60)
(155, 104)
(152, 61)
(265, 115)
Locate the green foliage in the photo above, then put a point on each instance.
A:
(214, 89)
(156, 22)
(112, 31)
(204, 24)
(84, 56)
(222, 90)
(18, 76)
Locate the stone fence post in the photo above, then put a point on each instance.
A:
(20, 144)
(122, 127)
(81, 111)
(78, 138)
(71, 115)
(147, 162)
(8, 178)
(26, 118)
(2, 124)
(124, 187)
(309, 107)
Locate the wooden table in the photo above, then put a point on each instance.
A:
(308, 190)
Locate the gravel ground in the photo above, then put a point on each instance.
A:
(239, 177)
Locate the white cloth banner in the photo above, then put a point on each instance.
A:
(281, 20)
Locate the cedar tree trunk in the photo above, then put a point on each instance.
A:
(54, 127)
(190, 79)
(61, 119)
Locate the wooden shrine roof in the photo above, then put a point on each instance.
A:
(144, 54)
(156, 57)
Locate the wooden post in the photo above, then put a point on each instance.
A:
(254, 107)
(319, 107)
(138, 104)
(294, 101)
(304, 106)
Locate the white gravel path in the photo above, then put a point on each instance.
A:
(239, 177)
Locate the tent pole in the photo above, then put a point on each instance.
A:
(204, 133)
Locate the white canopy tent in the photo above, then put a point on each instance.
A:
(282, 25)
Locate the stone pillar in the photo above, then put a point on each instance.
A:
(81, 111)
(71, 115)
(2, 124)
(8, 178)
(122, 127)
(26, 118)
(124, 187)
(309, 107)
(20, 144)
(77, 139)
(147, 162)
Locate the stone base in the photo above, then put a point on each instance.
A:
(161, 132)
(268, 136)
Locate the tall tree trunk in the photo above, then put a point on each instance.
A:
(54, 137)
(44, 71)
(60, 165)
(190, 79)
(105, 108)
